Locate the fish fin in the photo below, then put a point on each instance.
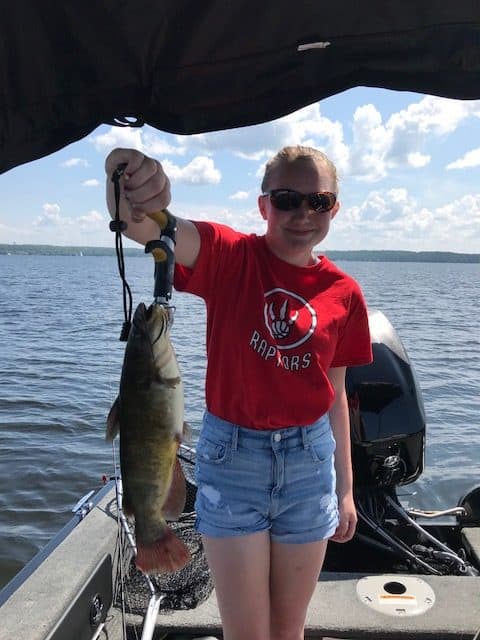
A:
(167, 554)
(177, 494)
(113, 421)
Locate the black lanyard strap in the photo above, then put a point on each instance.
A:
(117, 226)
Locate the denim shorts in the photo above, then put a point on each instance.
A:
(282, 480)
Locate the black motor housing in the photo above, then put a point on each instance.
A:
(387, 417)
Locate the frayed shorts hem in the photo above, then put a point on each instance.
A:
(297, 537)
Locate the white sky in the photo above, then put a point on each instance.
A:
(408, 166)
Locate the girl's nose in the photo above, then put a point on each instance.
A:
(304, 209)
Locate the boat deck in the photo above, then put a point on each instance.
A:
(337, 612)
(59, 593)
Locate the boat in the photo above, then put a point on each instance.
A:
(406, 573)
(69, 67)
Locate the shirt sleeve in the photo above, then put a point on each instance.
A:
(216, 242)
(354, 345)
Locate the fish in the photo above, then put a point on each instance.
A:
(148, 416)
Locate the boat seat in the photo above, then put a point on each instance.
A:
(471, 541)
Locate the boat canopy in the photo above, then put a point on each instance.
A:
(192, 66)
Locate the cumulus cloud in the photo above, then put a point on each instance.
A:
(91, 221)
(417, 159)
(371, 140)
(239, 195)
(124, 137)
(51, 217)
(155, 145)
(470, 159)
(257, 143)
(394, 219)
(93, 182)
(201, 170)
(75, 162)
(52, 220)
(381, 146)
(378, 145)
(146, 140)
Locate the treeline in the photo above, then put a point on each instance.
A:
(404, 256)
(357, 256)
(56, 250)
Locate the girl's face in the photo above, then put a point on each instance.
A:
(291, 235)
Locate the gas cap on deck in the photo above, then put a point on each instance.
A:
(396, 595)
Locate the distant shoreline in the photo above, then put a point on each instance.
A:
(356, 256)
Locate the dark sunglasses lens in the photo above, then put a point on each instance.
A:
(286, 200)
(321, 201)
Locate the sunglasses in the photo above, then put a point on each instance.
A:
(288, 199)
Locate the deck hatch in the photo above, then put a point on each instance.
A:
(395, 595)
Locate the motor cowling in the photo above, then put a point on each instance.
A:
(387, 416)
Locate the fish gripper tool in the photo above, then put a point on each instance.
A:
(163, 251)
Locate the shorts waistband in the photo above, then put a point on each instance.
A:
(262, 439)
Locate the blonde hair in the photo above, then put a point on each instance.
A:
(297, 153)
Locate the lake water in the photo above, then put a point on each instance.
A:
(60, 319)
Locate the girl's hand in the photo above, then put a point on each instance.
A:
(145, 186)
(347, 519)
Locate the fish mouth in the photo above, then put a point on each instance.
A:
(150, 322)
(156, 321)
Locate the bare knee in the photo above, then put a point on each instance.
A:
(287, 627)
(284, 633)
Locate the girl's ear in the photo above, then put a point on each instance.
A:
(334, 209)
(262, 206)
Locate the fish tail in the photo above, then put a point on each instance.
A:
(167, 554)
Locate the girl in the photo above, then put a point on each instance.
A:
(274, 474)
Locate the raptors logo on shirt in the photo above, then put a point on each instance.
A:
(289, 318)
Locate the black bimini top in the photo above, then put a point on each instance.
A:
(191, 66)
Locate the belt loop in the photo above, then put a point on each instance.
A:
(305, 439)
(234, 437)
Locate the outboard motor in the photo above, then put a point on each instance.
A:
(387, 427)
(387, 416)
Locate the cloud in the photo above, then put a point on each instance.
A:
(260, 142)
(201, 170)
(393, 219)
(75, 162)
(52, 220)
(239, 195)
(470, 159)
(91, 221)
(93, 182)
(246, 219)
(155, 145)
(124, 137)
(51, 217)
(378, 147)
(371, 140)
(417, 159)
(146, 140)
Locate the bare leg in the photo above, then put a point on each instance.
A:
(294, 572)
(240, 568)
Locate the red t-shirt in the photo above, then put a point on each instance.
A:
(273, 329)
